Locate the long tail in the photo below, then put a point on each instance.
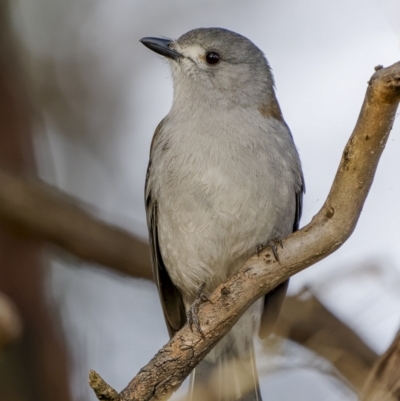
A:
(226, 379)
(222, 376)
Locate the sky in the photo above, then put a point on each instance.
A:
(322, 55)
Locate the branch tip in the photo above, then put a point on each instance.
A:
(103, 391)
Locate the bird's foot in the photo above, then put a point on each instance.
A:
(192, 313)
(270, 243)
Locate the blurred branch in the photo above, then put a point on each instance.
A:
(35, 366)
(328, 230)
(39, 211)
(383, 383)
(306, 321)
(10, 321)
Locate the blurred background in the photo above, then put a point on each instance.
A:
(80, 98)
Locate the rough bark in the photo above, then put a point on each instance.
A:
(327, 231)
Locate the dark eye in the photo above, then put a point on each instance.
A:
(212, 58)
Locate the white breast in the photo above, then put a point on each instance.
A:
(220, 192)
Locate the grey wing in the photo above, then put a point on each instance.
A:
(299, 206)
(274, 299)
(170, 297)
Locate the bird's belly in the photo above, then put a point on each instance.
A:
(214, 225)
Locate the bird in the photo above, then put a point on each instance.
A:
(224, 179)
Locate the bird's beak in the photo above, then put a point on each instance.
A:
(161, 46)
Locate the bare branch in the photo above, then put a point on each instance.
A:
(328, 230)
(383, 383)
(40, 211)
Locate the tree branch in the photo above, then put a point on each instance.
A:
(40, 211)
(36, 366)
(328, 230)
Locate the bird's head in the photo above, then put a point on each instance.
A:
(218, 64)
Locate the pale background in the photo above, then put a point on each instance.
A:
(96, 143)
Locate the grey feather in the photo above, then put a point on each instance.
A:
(171, 298)
(224, 175)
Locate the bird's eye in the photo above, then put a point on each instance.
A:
(212, 58)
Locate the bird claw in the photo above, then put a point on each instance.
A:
(272, 244)
(192, 313)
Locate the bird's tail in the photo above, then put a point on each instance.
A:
(227, 378)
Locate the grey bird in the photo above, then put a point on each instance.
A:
(224, 176)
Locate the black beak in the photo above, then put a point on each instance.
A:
(161, 46)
